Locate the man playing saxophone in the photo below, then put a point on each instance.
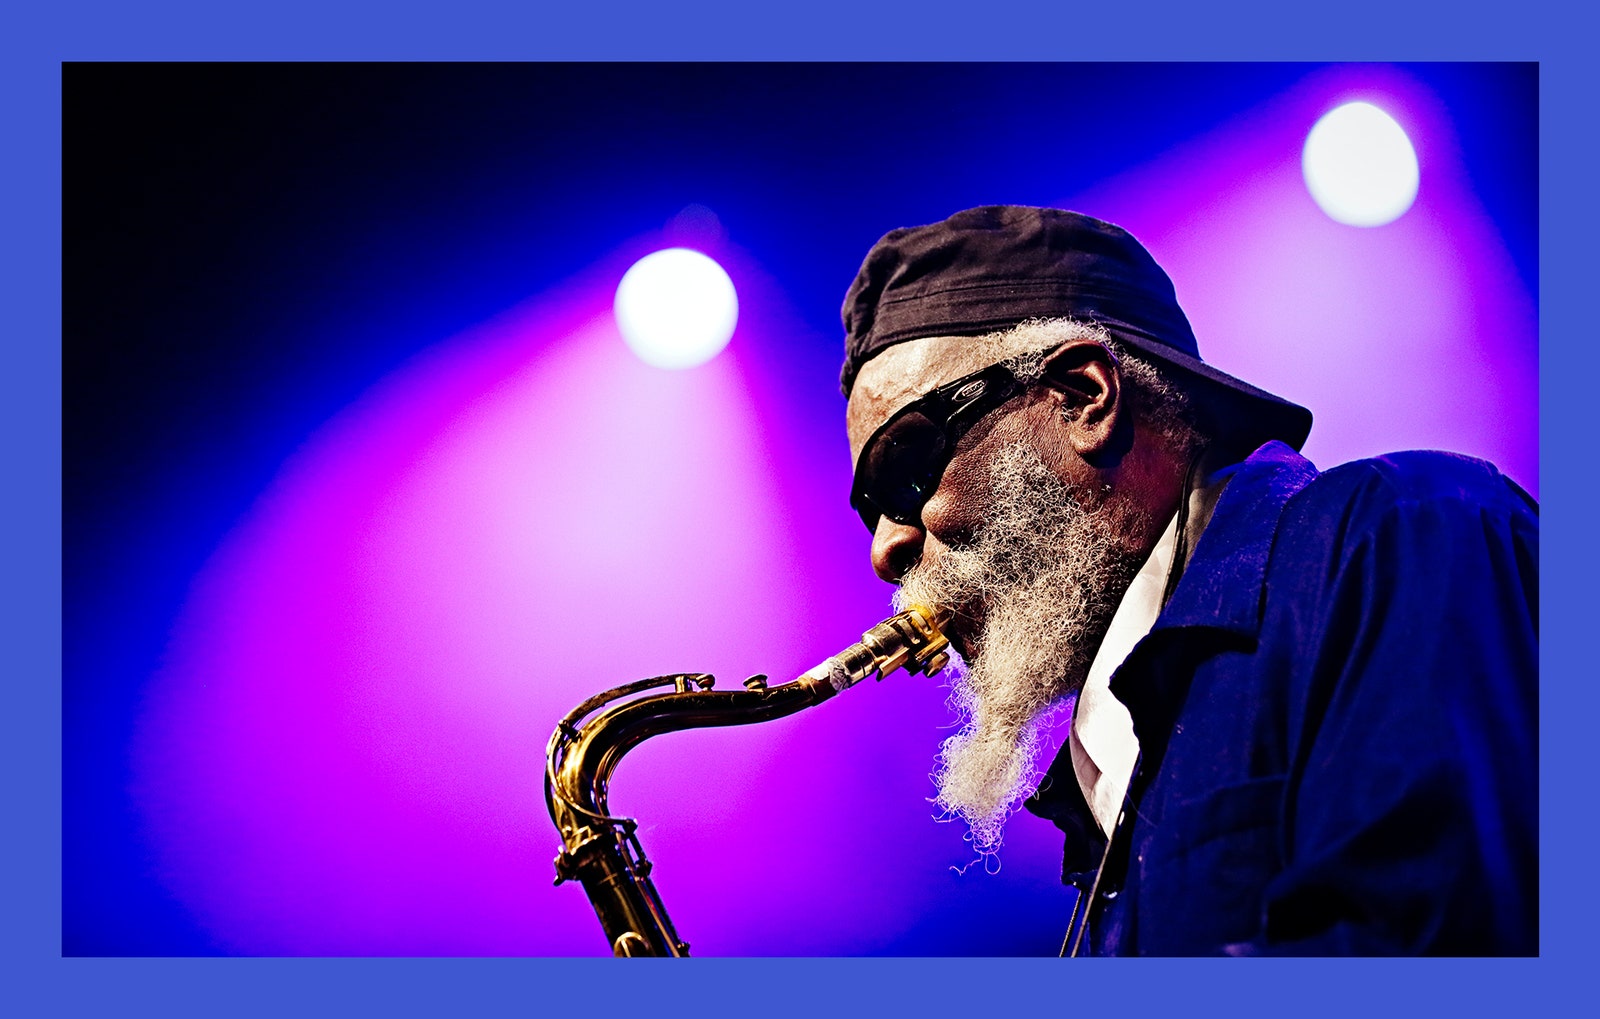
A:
(1303, 703)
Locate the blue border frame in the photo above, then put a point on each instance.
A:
(1037, 30)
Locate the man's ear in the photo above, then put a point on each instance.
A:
(1087, 381)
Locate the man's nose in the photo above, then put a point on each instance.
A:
(895, 548)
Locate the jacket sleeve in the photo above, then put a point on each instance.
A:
(1411, 806)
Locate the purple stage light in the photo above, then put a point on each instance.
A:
(1360, 166)
(1419, 335)
(676, 308)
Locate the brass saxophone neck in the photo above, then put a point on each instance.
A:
(912, 640)
(603, 852)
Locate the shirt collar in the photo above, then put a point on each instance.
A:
(1101, 739)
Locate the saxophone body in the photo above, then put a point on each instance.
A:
(602, 852)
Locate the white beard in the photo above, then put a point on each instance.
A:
(1048, 574)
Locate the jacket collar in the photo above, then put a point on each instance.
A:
(1220, 596)
(1222, 582)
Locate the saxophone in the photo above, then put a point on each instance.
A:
(602, 852)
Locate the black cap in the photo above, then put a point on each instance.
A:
(990, 268)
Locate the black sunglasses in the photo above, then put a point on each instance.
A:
(901, 464)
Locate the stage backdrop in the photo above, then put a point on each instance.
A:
(364, 489)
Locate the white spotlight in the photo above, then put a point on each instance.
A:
(1360, 166)
(676, 308)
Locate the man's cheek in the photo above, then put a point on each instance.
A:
(958, 510)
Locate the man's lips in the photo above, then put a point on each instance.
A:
(965, 631)
(964, 647)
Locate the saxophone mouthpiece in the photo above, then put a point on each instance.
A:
(911, 640)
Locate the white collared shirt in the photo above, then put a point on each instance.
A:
(1103, 746)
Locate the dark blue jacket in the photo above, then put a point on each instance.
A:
(1337, 714)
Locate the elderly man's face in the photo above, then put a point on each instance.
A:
(1025, 551)
(959, 507)
(964, 501)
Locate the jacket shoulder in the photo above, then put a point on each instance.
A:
(1414, 477)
